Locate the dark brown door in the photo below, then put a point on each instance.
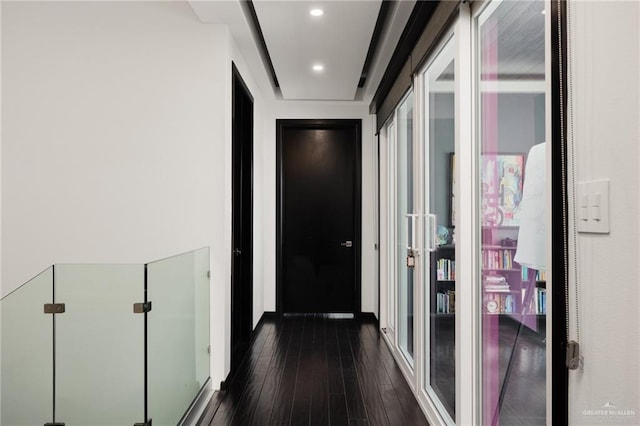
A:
(242, 221)
(319, 216)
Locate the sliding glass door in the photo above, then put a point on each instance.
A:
(405, 227)
(438, 300)
(465, 289)
(390, 234)
(510, 109)
(398, 245)
(420, 316)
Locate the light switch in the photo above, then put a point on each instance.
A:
(594, 198)
(584, 207)
(597, 203)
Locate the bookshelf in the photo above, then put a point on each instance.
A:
(444, 276)
(501, 282)
(505, 282)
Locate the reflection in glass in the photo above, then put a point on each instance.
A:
(404, 203)
(440, 299)
(512, 181)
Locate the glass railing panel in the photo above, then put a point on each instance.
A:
(178, 338)
(27, 357)
(99, 345)
(202, 315)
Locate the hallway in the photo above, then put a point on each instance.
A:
(316, 371)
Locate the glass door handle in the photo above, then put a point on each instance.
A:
(432, 220)
(347, 244)
(411, 236)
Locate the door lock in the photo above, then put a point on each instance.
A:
(411, 260)
(347, 244)
(574, 360)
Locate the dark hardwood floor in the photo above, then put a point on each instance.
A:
(315, 371)
(525, 396)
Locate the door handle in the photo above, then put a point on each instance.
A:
(431, 229)
(347, 244)
(237, 252)
(411, 234)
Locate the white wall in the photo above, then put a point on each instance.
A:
(606, 43)
(322, 110)
(115, 140)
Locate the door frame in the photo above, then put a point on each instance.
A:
(425, 393)
(281, 125)
(557, 196)
(392, 337)
(245, 145)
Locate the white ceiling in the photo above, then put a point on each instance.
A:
(295, 40)
(339, 40)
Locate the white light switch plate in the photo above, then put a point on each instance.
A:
(594, 217)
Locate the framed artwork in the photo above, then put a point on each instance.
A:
(501, 181)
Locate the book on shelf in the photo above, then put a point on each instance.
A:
(496, 303)
(538, 303)
(497, 258)
(446, 302)
(497, 288)
(539, 275)
(495, 284)
(446, 270)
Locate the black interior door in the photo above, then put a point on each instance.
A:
(319, 216)
(242, 221)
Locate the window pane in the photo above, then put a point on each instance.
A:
(440, 318)
(391, 281)
(512, 202)
(404, 204)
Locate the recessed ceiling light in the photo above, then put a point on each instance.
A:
(316, 12)
(318, 67)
